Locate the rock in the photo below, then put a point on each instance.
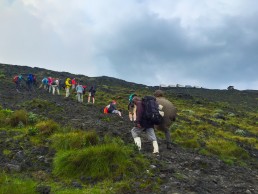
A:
(13, 167)
(153, 166)
(76, 185)
(43, 189)
(248, 192)
(19, 156)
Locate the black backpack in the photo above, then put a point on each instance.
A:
(151, 110)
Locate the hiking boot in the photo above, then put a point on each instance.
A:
(156, 154)
(169, 146)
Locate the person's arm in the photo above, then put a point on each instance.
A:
(138, 114)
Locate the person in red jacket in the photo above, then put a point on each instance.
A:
(73, 84)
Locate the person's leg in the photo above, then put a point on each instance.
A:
(93, 99)
(80, 94)
(130, 116)
(135, 133)
(53, 90)
(66, 92)
(77, 97)
(134, 113)
(168, 138)
(57, 89)
(89, 97)
(152, 137)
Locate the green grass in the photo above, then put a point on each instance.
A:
(101, 162)
(14, 185)
(74, 140)
(47, 127)
(226, 150)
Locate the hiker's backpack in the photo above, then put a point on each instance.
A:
(15, 78)
(34, 78)
(30, 78)
(105, 111)
(84, 89)
(151, 110)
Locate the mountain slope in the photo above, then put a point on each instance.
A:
(180, 170)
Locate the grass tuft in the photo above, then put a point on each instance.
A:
(74, 140)
(47, 127)
(98, 162)
(19, 117)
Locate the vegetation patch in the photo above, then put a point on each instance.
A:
(14, 185)
(74, 140)
(47, 127)
(99, 162)
(226, 150)
(19, 117)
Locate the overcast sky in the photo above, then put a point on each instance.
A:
(212, 44)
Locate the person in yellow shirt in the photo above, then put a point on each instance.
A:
(67, 87)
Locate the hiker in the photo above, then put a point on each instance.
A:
(84, 89)
(169, 116)
(50, 81)
(67, 87)
(111, 108)
(29, 82)
(79, 89)
(55, 86)
(132, 108)
(44, 83)
(35, 83)
(17, 80)
(61, 84)
(143, 125)
(73, 84)
(92, 92)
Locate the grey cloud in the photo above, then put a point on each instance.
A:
(153, 45)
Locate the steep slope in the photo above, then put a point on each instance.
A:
(179, 170)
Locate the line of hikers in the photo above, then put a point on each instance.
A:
(147, 113)
(54, 85)
(30, 82)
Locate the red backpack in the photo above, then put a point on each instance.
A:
(15, 79)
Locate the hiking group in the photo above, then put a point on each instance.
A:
(30, 82)
(147, 113)
(54, 85)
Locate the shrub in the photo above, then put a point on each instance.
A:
(33, 131)
(240, 132)
(32, 118)
(2, 75)
(74, 140)
(102, 162)
(2, 119)
(20, 125)
(47, 127)
(19, 116)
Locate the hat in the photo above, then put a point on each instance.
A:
(131, 97)
(158, 93)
